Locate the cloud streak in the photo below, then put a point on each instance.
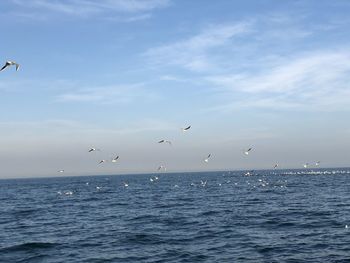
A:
(317, 81)
(90, 7)
(109, 94)
(193, 53)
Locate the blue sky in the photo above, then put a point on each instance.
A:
(121, 75)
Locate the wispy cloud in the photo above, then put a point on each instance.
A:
(192, 53)
(89, 7)
(110, 94)
(309, 81)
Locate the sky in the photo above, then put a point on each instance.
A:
(121, 75)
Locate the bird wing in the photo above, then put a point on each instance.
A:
(187, 128)
(17, 67)
(161, 141)
(5, 66)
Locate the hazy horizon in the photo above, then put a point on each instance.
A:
(122, 75)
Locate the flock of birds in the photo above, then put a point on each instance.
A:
(115, 159)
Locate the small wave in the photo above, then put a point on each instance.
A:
(29, 246)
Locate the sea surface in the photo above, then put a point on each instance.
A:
(269, 216)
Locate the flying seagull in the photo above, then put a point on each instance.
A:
(207, 159)
(61, 171)
(275, 166)
(10, 63)
(186, 129)
(102, 161)
(165, 141)
(306, 165)
(114, 160)
(161, 167)
(93, 149)
(125, 184)
(317, 163)
(247, 151)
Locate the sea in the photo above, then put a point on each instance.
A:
(229, 216)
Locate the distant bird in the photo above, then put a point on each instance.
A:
(249, 173)
(207, 159)
(247, 151)
(10, 63)
(153, 178)
(306, 165)
(203, 183)
(161, 167)
(102, 161)
(186, 129)
(61, 171)
(275, 166)
(98, 187)
(317, 163)
(93, 149)
(125, 184)
(114, 160)
(165, 141)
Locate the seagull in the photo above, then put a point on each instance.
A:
(186, 129)
(317, 163)
(10, 63)
(114, 160)
(247, 151)
(203, 183)
(93, 149)
(207, 159)
(61, 171)
(98, 187)
(125, 184)
(275, 166)
(102, 161)
(165, 141)
(306, 165)
(249, 173)
(161, 167)
(153, 178)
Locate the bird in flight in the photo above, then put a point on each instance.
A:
(207, 159)
(160, 167)
(114, 160)
(275, 166)
(186, 129)
(93, 149)
(306, 165)
(317, 163)
(10, 63)
(61, 171)
(165, 141)
(102, 161)
(246, 152)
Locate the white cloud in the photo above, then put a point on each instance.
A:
(90, 7)
(110, 94)
(192, 53)
(309, 81)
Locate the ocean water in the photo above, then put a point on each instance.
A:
(270, 216)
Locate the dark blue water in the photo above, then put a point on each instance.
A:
(267, 217)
